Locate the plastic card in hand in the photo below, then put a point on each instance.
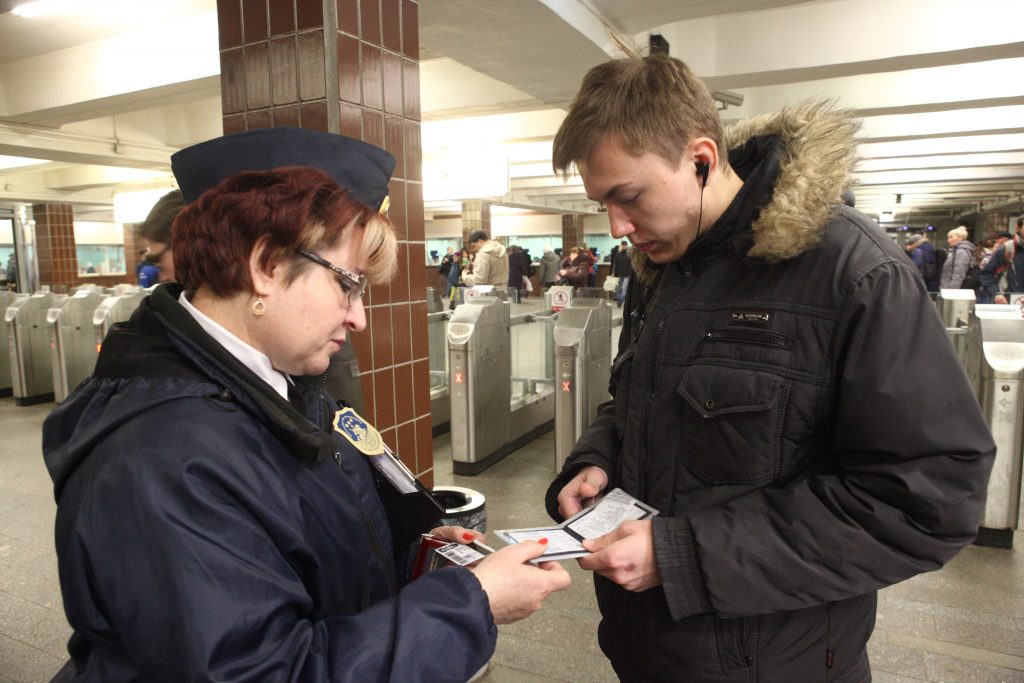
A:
(565, 540)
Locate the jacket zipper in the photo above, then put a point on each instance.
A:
(775, 341)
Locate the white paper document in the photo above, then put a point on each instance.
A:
(564, 540)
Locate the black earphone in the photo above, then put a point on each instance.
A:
(703, 168)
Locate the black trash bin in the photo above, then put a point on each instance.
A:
(462, 507)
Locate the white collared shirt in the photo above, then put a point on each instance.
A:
(249, 357)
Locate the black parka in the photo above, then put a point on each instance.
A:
(771, 399)
(209, 530)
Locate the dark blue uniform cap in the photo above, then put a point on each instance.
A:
(357, 166)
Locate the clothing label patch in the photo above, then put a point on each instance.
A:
(751, 317)
(359, 432)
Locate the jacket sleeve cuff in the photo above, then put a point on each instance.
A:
(675, 551)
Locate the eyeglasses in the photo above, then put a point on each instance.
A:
(352, 285)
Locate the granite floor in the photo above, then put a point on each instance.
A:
(963, 623)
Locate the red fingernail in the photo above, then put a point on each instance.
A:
(543, 541)
(468, 536)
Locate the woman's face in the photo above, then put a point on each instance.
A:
(307, 321)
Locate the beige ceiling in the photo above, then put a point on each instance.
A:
(100, 101)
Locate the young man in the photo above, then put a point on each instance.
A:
(767, 368)
(490, 261)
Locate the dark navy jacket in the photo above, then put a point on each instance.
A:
(208, 530)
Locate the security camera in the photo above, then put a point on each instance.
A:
(728, 97)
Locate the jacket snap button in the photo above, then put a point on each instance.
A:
(710, 404)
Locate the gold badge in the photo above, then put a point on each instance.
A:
(385, 205)
(359, 432)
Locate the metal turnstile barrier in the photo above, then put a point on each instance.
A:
(955, 306)
(72, 341)
(582, 366)
(487, 421)
(116, 308)
(437, 356)
(995, 367)
(7, 298)
(29, 346)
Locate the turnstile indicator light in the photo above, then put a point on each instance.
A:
(565, 386)
(458, 378)
(99, 345)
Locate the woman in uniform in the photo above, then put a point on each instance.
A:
(218, 518)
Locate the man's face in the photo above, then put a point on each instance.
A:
(652, 204)
(161, 256)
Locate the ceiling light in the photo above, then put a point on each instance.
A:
(43, 8)
(133, 207)
(18, 162)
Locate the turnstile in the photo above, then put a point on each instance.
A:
(29, 345)
(955, 307)
(114, 309)
(7, 298)
(437, 321)
(487, 423)
(582, 367)
(72, 341)
(995, 367)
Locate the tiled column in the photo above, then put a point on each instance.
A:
(351, 67)
(55, 244)
(132, 246)
(476, 215)
(572, 232)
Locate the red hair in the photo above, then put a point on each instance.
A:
(289, 208)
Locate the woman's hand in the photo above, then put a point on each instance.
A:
(515, 588)
(457, 534)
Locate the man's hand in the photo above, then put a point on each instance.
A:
(575, 495)
(625, 556)
(999, 299)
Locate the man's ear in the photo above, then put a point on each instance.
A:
(703, 150)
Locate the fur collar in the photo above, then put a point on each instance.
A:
(816, 167)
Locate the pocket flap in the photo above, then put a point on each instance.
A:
(714, 391)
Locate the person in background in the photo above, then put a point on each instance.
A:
(959, 259)
(922, 253)
(518, 267)
(156, 231)
(575, 269)
(1004, 271)
(261, 542)
(490, 261)
(622, 268)
(549, 265)
(447, 262)
(769, 353)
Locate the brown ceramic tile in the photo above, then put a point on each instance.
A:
(313, 115)
(254, 20)
(391, 24)
(414, 211)
(373, 127)
(400, 285)
(258, 119)
(420, 348)
(406, 437)
(394, 142)
(411, 86)
(369, 409)
(282, 17)
(384, 398)
(286, 116)
(373, 94)
(369, 15)
(309, 14)
(348, 16)
(396, 190)
(413, 151)
(229, 23)
(389, 436)
(363, 343)
(232, 82)
(410, 29)
(401, 338)
(282, 70)
(421, 388)
(392, 80)
(351, 120)
(417, 271)
(403, 389)
(380, 330)
(349, 80)
(257, 75)
(424, 452)
(310, 49)
(233, 123)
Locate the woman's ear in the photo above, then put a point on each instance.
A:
(263, 280)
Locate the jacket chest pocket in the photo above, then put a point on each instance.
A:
(732, 424)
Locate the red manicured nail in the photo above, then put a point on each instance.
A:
(468, 536)
(543, 541)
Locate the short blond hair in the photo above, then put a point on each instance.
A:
(654, 104)
(960, 232)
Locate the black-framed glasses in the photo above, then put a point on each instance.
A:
(352, 285)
